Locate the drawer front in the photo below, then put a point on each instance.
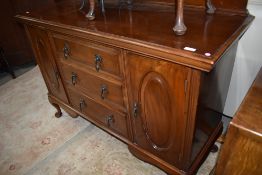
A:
(95, 87)
(112, 120)
(98, 57)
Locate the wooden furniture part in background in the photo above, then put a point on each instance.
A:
(137, 80)
(4, 65)
(241, 153)
(179, 27)
(13, 39)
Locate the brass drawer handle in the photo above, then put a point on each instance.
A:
(98, 62)
(110, 120)
(104, 91)
(73, 78)
(82, 104)
(66, 50)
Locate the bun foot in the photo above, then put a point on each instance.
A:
(74, 116)
(71, 113)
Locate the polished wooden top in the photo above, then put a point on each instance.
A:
(150, 29)
(249, 115)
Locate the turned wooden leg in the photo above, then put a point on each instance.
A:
(210, 7)
(214, 148)
(180, 28)
(102, 4)
(91, 13)
(58, 112)
(82, 4)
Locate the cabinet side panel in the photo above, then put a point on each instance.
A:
(213, 92)
(45, 59)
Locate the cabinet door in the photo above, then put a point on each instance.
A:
(158, 104)
(46, 62)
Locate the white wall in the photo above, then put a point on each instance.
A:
(248, 60)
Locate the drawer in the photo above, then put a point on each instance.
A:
(112, 120)
(109, 93)
(97, 57)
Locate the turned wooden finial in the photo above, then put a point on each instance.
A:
(180, 28)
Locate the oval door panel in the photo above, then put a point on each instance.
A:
(156, 109)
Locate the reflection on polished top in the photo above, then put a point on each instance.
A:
(207, 37)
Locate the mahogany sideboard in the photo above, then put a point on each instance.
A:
(128, 73)
(241, 153)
